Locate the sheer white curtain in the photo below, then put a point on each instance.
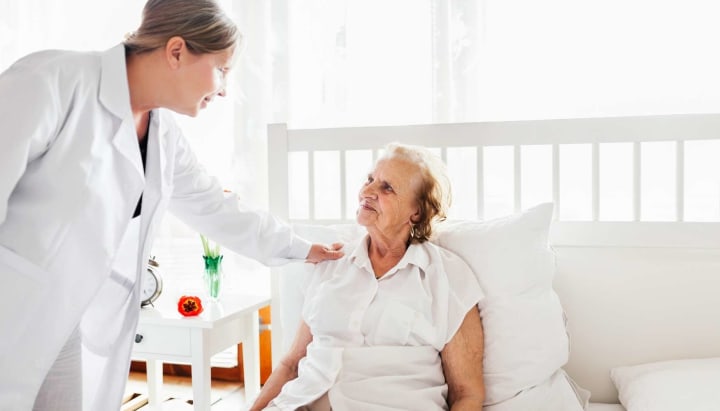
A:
(316, 63)
(27, 26)
(415, 61)
(322, 63)
(377, 62)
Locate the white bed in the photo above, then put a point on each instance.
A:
(634, 292)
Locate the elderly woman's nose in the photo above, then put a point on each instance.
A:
(368, 190)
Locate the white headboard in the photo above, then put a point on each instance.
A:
(634, 291)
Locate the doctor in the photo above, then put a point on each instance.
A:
(89, 161)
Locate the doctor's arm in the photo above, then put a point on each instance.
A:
(28, 118)
(287, 370)
(462, 361)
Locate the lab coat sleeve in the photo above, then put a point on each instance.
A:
(29, 113)
(199, 201)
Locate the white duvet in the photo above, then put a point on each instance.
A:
(378, 378)
(390, 378)
(383, 378)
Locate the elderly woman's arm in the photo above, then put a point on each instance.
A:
(287, 370)
(462, 361)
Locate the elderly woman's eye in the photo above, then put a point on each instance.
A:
(387, 187)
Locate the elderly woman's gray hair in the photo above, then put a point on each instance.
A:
(434, 195)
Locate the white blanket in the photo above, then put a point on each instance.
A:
(390, 378)
(378, 378)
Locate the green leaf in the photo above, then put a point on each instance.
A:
(208, 250)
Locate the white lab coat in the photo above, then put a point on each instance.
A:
(70, 178)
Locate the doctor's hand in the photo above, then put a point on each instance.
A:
(320, 252)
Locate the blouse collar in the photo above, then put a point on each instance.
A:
(415, 255)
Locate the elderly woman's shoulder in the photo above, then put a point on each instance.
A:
(458, 274)
(439, 254)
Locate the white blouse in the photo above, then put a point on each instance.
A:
(421, 302)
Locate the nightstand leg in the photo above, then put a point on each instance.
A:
(155, 382)
(251, 357)
(201, 382)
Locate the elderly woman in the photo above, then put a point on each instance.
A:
(394, 324)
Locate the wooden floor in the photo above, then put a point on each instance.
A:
(177, 393)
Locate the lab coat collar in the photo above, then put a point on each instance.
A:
(416, 255)
(115, 96)
(114, 90)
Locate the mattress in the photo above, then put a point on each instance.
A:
(596, 406)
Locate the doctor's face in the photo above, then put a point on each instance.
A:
(203, 78)
(389, 199)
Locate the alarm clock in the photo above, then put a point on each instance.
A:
(151, 283)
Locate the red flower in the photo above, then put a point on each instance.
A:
(189, 305)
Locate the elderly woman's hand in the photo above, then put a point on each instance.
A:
(320, 252)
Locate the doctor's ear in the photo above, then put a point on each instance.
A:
(173, 49)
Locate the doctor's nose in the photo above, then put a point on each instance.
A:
(222, 91)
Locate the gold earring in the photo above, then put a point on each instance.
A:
(412, 231)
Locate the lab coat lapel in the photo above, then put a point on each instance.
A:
(115, 96)
(156, 183)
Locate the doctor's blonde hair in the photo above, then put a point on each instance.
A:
(434, 195)
(201, 23)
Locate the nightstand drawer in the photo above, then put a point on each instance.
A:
(160, 339)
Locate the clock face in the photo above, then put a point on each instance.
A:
(150, 286)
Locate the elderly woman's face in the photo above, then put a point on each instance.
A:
(388, 199)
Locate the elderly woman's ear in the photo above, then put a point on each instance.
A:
(415, 218)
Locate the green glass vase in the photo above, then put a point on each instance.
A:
(213, 276)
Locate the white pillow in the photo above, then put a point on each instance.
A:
(556, 393)
(686, 385)
(525, 337)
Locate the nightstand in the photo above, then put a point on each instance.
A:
(163, 335)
